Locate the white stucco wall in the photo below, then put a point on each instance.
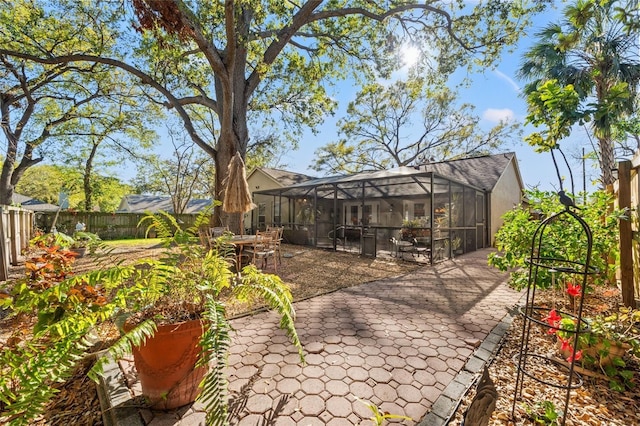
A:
(506, 195)
(259, 181)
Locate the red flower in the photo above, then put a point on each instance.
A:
(553, 318)
(574, 290)
(575, 357)
(565, 344)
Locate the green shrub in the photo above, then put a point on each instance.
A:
(564, 239)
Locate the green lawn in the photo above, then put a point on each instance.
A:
(133, 242)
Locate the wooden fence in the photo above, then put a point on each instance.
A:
(16, 229)
(109, 226)
(627, 190)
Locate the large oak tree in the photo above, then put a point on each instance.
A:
(277, 59)
(47, 110)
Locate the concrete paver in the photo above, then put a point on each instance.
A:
(410, 345)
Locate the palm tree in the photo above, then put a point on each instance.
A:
(596, 51)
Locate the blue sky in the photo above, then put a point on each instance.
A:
(496, 95)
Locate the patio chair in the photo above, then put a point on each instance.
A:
(421, 249)
(264, 249)
(278, 240)
(400, 247)
(205, 237)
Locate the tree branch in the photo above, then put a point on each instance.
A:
(326, 14)
(144, 78)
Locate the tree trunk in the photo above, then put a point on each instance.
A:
(6, 187)
(607, 161)
(234, 137)
(86, 178)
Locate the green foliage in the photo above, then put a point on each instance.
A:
(45, 183)
(54, 108)
(414, 223)
(286, 56)
(585, 68)
(514, 238)
(42, 183)
(554, 107)
(187, 279)
(621, 326)
(380, 416)
(79, 239)
(68, 309)
(609, 339)
(543, 413)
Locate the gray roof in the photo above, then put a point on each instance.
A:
(284, 177)
(135, 203)
(482, 172)
(33, 204)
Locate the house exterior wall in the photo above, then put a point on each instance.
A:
(505, 195)
(266, 205)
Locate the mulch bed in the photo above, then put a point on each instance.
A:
(592, 404)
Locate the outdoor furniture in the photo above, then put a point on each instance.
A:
(240, 241)
(264, 248)
(414, 247)
(400, 247)
(278, 240)
(218, 231)
(205, 237)
(422, 247)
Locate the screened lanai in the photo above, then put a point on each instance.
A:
(388, 211)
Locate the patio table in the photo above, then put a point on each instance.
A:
(240, 241)
(402, 246)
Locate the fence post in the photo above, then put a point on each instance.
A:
(4, 257)
(626, 250)
(14, 236)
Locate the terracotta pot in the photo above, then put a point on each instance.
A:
(166, 365)
(615, 350)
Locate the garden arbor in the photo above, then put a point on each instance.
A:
(367, 210)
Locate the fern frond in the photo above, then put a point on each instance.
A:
(203, 217)
(277, 297)
(215, 349)
(136, 337)
(164, 224)
(28, 385)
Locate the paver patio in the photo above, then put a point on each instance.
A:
(397, 343)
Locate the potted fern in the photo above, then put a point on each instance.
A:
(184, 286)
